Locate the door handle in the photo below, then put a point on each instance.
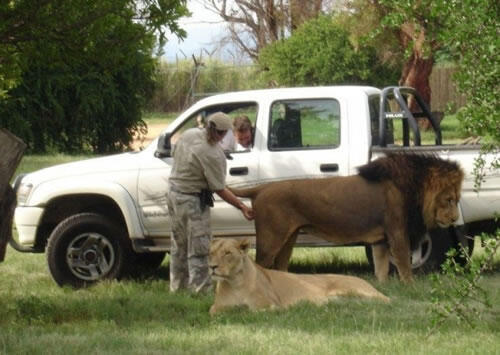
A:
(238, 171)
(329, 168)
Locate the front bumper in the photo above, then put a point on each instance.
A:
(26, 220)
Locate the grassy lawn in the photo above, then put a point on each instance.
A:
(142, 317)
(159, 118)
(451, 132)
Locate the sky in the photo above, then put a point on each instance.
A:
(203, 28)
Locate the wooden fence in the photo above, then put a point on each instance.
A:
(444, 94)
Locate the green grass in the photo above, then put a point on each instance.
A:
(159, 117)
(35, 162)
(451, 132)
(142, 317)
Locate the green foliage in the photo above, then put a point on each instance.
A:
(84, 72)
(471, 33)
(92, 103)
(414, 18)
(363, 19)
(321, 53)
(458, 293)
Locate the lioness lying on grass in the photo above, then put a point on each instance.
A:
(240, 281)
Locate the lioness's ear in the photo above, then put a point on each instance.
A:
(215, 241)
(244, 245)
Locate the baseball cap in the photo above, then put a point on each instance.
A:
(221, 121)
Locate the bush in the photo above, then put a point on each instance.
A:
(87, 98)
(320, 53)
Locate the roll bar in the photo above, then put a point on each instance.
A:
(400, 94)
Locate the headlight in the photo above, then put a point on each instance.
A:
(22, 190)
(23, 193)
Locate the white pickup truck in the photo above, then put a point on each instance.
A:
(104, 217)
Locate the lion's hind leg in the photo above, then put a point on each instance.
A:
(345, 286)
(371, 293)
(380, 254)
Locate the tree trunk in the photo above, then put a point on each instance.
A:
(418, 68)
(11, 151)
(418, 71)
(302, 11)
(271, 22)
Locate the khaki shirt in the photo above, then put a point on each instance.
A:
(197, 164)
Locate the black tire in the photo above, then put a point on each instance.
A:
(86, 248)
(430, 254)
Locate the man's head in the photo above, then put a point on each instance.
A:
(218, 125)
(242, 128)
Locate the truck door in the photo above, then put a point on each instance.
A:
(303, 140)
(242, 170)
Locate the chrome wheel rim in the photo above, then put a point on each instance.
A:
(90, 256)
(421, 254)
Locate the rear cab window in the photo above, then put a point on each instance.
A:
(304, 124)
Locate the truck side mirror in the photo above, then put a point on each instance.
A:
(163, 149)
(228, 155)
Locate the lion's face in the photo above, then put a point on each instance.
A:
(226, 258)
(443, 210)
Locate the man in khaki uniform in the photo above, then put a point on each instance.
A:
(199, 168)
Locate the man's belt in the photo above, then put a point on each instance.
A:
(205, 195)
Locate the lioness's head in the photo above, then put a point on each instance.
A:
(441, 196)
(226, 258)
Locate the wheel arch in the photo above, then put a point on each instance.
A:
(113, 202)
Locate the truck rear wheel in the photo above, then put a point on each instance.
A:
(86, 248)
(430, 253)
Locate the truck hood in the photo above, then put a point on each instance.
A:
(95, 166)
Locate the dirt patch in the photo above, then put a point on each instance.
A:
(154, 131)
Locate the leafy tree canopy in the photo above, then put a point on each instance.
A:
(472, 34)
(77, 73)
(73, 24)
(320, 53)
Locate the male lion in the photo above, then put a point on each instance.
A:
(242, 282)
(389, 204)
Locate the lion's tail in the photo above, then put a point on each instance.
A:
(249, 192)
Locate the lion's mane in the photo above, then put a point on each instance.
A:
(419, 178)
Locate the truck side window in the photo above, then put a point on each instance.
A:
(304, 124)
(199, 118)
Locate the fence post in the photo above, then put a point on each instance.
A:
(11, 151)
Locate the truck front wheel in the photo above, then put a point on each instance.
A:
(86, 248)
